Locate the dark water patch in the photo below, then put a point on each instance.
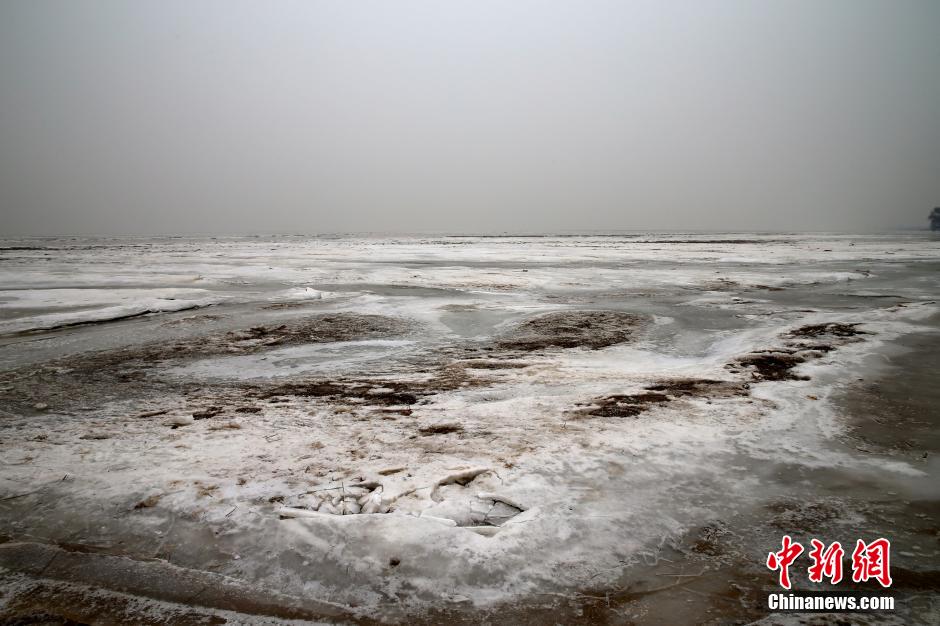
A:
(315, 329)
(85, 587)
(899, 412)
(915, 580)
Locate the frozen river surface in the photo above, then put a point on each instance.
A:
(359, 428)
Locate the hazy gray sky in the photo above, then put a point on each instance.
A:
(539, 115)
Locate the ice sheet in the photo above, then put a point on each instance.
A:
(595, 495)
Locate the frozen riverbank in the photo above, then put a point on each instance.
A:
(502, 420)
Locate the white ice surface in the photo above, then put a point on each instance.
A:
(51, 308)
(598, 493)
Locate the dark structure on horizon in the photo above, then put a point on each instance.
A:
(935, 219)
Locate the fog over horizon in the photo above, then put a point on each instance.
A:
(467, 117)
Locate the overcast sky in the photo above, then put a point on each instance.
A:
(176, 116)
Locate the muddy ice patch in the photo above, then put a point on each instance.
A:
(699, 388)
(574, 329)
(818, 515)
(800, 345)
(116, 374)
(341, 357)
(366, 398)
(772, 365)
(660, 394)
(624, 405)
(832, 329)
(325, 328)
(383, 391)
(312, 329)
(193, 320)
(378, 393)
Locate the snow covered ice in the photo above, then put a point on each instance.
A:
(392, 425)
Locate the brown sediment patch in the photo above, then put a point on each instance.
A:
(574, 329)
(440, 429)
(208, 412)
(700, 387)
(149, 501)
(817, 347)
(311, 329)
(712, 539)
(315, 389)
(834, 329)
(494, 365)
(794, 515)
(380, 392)
(376, 393)
(67, 381)
(631, 405)
(772, 365)
(778, 364)
(904, 578)
(626, 405)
